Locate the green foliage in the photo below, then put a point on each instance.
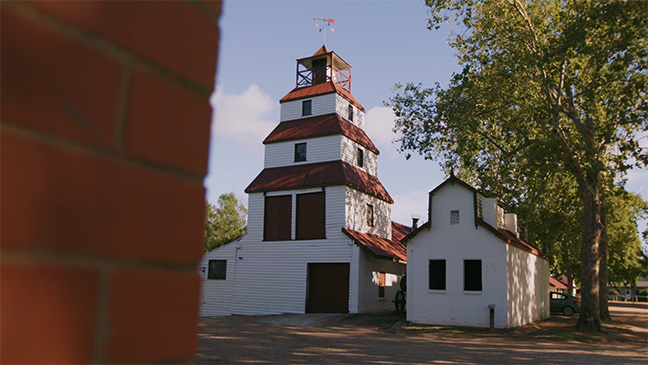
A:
(643, 292)
(613, 292)
(224, 223)
(626, 258)
(550, 103)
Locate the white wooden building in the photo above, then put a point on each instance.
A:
(468, 259)
(320, 236)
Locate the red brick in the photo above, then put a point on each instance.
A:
(73, 202)
(55, 84)
(154, 316)
(167, 124)
(174, 34)
(48, 314)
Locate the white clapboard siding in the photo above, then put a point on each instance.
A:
(342, 109)
(349, 153)
(356, 213)
(271, 276)
(216, 295)
(321, 105)
(255, 217)
(318, 149)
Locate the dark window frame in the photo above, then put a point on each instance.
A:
(350, 113)
(473, 276)
(217, 270)
(437, 274)
(277, 225)
(310, 216)
(370, 215)
(300, 153)
(360, 157)
(307, 107)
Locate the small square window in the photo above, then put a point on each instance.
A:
(217, 269)
(360, 161)
(300, 152)
(350, 113)
(370, 215)
(454, 217)
(307, 107)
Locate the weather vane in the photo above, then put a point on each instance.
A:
(326, 24)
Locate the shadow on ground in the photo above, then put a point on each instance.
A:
(387, 339)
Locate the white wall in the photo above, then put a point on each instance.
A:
(342, 109)
(455, 243)
(370, 267)
(356, 213)
(322, 104)
(528, 287)
(216, 295)
(318, 149)
(350, 155)
(270, 276)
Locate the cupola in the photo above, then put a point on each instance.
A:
(323, 66)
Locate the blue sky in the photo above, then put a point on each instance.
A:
(386, 42)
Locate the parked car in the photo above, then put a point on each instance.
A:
(564, 303)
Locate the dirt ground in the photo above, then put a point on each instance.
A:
(389, 339)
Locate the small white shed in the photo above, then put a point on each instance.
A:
(467, 265)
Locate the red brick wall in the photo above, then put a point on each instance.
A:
(104, 141)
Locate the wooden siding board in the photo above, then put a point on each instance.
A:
(319, 149)
(322, 104)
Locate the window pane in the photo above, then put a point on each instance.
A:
(307, 107)
(437, 274)
(277, 218)
(350, 112)
(300, 152)
(472, 275)
(311, 220)
(370, 215)
(454, 217)
(217, 269)
(360, 157)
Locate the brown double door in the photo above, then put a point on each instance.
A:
(328, 288)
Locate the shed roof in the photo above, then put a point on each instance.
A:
(392, 249)
(556, 283)
(318, 126)
(322, 174)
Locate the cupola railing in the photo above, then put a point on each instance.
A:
(314, 76)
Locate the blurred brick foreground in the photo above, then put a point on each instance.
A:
(105, 133)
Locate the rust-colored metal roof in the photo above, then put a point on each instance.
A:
(556, 283)
(321, 51)
(321, 125)
(320, 89)
(393, 249)
(322, 174)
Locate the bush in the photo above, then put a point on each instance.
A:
(644, 292)
(613, 292)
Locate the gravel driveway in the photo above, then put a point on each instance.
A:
(387, 339)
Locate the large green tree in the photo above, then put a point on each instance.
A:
(224, 222)
(547, 85)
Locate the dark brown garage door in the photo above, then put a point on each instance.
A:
(328, 288)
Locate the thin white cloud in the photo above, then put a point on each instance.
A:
(245, 118)
(379, 122)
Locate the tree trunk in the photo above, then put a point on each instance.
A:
(603, 258)
(590, 315)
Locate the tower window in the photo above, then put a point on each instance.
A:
(350, 112)
(370, 215)
(307, 107)
(360, 156)
(454, 217)
(300, 152)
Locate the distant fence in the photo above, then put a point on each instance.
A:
(628, 298)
